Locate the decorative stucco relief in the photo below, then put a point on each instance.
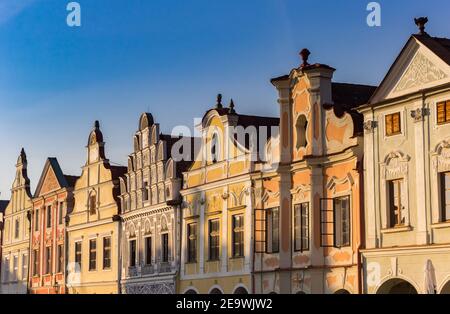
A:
(420, 72)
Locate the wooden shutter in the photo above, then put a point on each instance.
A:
(260, 231)
(441, 116)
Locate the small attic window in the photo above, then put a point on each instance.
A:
(301, 127)
(214, 148)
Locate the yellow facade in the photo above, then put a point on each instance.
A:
(94, 227)
(16, 234)
(218, 192)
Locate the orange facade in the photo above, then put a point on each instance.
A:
(309, 218)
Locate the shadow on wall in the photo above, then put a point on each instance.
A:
(11, 285)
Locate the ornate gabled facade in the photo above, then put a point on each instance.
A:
(94, 224)
(52, 201)
(309, 214)
(16, 233)
(217, 214)
(407, 181)
(150, 196)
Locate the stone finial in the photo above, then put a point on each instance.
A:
(96, 124)
(305, 55)
(232, 106)
(420, 22)
(219, 101)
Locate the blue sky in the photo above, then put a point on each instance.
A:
(171, 57)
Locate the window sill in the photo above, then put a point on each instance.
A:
(236, 257)
(441, 225)
(397, 229)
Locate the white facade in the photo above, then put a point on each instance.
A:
(412, 254)
(150, 228)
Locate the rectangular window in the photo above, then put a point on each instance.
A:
(15, 267)
(93, 254)
(443, 112)
(132, 253)
(36, 220)
(148, 251)
(5, 270)
(16, 228)
(273, 230)
(301, 227)
(48, 260)
(396, 217)
(61, 213)
(341, 221)
(393, 124)
(49, 216)
(192, 242)
(35, 262)
(60, 260)
(445, 184)
(145, 191)
(24, 266)
(238, 235)
(106, 253)
(92, 204)
(165, 247)
(214, 239)
(78, 255)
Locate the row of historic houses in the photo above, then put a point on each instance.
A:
(346, 191)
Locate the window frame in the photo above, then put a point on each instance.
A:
(237, 224)
(340, 222)
(106, 260)
(16, 228)
(48, 217)
(148, 250)
(60, 256)
(273, 243)
(165, 247)
(36, 264)
(78, 251)
(393, 217)
(60, 213)
(36, 220)
(400, 127)
(304, 224)
(132, 252)
(214, 239)
(48, 260)
(192, 238)
(93, 254)
(446, 109)
(444, 201)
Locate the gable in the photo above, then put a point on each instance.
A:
(416, 68)
(50, 182)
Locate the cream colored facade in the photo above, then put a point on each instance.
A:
(94, 224)
(407, 225)
(16, 233)
(218, 207)
(150, 196)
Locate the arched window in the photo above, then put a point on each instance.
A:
(301, 126)
(214, 148)
(190, 291)
(92, 203)
(240, 290)
(215, 291)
